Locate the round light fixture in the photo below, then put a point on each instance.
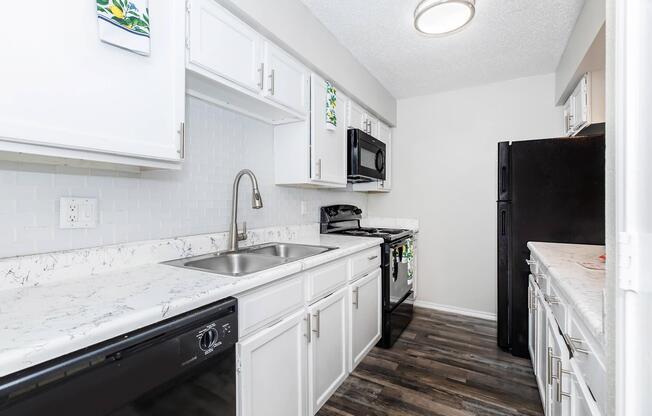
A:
(443, 17)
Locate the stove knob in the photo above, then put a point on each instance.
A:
(208, 339)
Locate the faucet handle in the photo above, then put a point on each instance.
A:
(243, 235)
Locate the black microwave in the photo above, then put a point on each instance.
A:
(366, 157)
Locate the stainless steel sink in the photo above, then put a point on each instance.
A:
(249, 260)
(235, 264)
(290, 251)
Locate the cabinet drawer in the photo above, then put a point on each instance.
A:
(262, 306)
(325, 279)
(587, 360)
(364, 262)
(557, 307)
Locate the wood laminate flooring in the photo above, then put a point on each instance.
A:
(443, 364)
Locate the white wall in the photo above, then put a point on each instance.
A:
(585, 50)
(445, 175)
(158, 204)
(291, 24)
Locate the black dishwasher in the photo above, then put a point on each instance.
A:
(182, 366)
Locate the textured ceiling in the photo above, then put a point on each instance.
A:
(506, 39)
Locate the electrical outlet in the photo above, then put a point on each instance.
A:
(78, 213)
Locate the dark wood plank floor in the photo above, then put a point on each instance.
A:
(443, 364)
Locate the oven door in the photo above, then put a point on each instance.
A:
(399, 280)
(366, 157)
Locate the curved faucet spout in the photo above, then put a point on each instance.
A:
(256, 203)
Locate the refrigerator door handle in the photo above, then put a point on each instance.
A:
(503, 222)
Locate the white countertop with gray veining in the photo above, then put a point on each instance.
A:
(52, 317)
(573, 270)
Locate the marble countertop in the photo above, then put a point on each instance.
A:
(573, 270)
(46, 320)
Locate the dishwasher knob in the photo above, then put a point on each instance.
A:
(208, 339)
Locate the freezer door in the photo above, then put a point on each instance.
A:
(504, 193)
(503, 307)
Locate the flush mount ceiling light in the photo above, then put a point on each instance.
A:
(443, 17)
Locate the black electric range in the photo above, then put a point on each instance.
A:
(397, 282)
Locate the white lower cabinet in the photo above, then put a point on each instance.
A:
(558, 371)
(566, 360)
(272, 373)
(365, 316)
(327, 351)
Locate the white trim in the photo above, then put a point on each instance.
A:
(454, 309)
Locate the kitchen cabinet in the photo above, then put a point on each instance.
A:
(567, 361)
(558, 366)
(585, 105)
(67, 95)
(272, 370)
(232, 65)
(384, 135)
(365, 316)
(358, 118)
(313, 153)
(532, 320)
(327, 351)
(287, 81)
(223, 45)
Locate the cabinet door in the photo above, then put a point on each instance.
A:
(356, 117)
(385, 135)
(328, 143)
(532, 322)
(541, 352)
(287, 81)
(224, 46)
(272, 375)
(327, 362)
(373, 126)
(365, 316)
(63, 88)
(558, 366)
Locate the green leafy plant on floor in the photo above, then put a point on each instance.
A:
(125, 14)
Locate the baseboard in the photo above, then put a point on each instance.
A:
(454, 309)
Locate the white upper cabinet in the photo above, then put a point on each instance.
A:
(358, 118)
(313, 153)
(586, 104)
(328, 156)
(66, 94)
(232, 65)
(287, 81)
(223, 45)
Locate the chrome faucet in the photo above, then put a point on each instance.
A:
(256, 203)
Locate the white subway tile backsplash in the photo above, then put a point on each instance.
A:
(158, 204)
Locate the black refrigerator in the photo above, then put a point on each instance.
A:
(550, 190)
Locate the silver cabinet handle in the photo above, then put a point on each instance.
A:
(549, 359)
(261, 71)
(318, 168)
(317, 325)
(182, 140)
(356, 296)
(560, 391)
(372, 257)
(272, 77)
(309, 332)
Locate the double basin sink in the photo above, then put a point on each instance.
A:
(250, 259)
